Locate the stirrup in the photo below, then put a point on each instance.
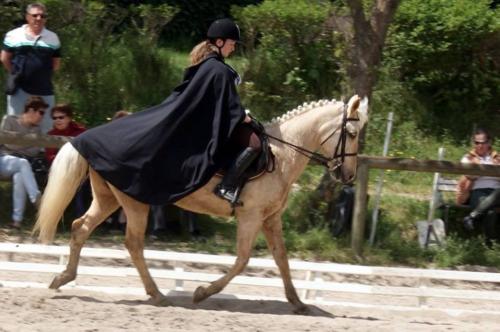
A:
(227, 194)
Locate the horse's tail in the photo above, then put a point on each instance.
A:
(67, 172)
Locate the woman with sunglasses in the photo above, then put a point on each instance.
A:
(63, 125)
(472, 190)
(14, 159)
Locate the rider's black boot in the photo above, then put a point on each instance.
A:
(229, 187)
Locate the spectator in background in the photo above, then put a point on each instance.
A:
(62, 115)
(34, 51)
(63, 125)
(27, 123)
(14, 159)
(162, 226)
(473, 189)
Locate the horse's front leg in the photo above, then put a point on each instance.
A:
(273, 232)
(103, 204)
(248, 228)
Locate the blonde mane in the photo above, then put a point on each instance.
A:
(305, 107)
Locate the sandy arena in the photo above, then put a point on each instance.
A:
(69, 309)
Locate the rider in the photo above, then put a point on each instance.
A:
(224, 34)
(168, 151)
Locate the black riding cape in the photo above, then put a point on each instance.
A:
(166, 152)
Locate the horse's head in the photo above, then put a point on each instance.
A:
(340, 140)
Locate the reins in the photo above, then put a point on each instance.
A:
(318, 157)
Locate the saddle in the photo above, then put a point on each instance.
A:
(264, 163)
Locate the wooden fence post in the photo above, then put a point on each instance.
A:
(358, 220)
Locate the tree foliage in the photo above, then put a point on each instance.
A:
(293, 57)
(448, 54)
(442, 57)
(111, 59)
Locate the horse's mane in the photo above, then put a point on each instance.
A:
(305, 107)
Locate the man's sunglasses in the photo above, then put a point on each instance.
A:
(478, 143)
(58, 117)
(38, 15)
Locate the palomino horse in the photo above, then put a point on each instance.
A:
(327, 126)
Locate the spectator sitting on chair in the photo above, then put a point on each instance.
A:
(27, 123)
(473, 189)
(62, 115)
(14, 159)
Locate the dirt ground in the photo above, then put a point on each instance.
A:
(41, 309)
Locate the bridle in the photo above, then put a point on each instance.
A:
(332, 163)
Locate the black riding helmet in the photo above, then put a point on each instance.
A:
(224, 28)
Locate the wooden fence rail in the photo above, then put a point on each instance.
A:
(43, 141)
(364, 164)
(401, 164)
(315, 282)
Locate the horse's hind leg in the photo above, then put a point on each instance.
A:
(103, 204)
(137, 218)
(248, 228)
(273, 232)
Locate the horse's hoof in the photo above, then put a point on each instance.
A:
(61, 280)
(56, 283)
(200, 294)
(160, 301)
(302, 309)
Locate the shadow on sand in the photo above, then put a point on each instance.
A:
(271, 307)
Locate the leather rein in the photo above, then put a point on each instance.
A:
(339, 148)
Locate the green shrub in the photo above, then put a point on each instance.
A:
(447, 53)
(292, 56)
(467, 252)
(105, 70)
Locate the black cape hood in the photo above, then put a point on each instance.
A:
(166, 152)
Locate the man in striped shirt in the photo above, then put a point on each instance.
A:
(34, 51)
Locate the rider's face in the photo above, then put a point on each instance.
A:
(228, 48)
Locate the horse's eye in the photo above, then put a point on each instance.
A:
(351, 130)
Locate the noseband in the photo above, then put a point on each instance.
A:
(332, 163)
(339, 151)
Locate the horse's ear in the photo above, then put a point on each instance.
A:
(363, 107)
(353, 105)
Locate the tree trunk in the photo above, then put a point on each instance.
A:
(366, 39)
(368, 42)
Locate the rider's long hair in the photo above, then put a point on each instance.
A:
(200, 52)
